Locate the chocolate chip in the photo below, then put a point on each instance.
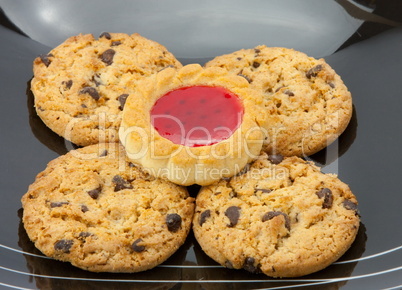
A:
(289, 93)
(263, 190)
(256, 64)
(204, 215)
(332, 85)
(45, 59)
(277, 90)
(116, 43)
(67, 84)
(314, 71)
(90, 91)
(105, 35)
(349, 205)
(94, 193)
(233, 213)
(104, 153)
(84, 235)
(84, 208)
(250, 267)
(136, 247)
(173, 221)
(233, 194)
(121, 183)
(244, 170)
(58, 204)
(256, 50)
(275, 158)
(107, 56)
(271, 214)
(96, 80)
(122, 99)
(326, 193)
(63, 245)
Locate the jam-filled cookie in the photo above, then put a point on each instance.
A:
(194, 125)
(95, 209)
(282, 217)
(312, 104)
(81, 86)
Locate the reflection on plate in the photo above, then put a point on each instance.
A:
(44, 269)
(200, 29)
(51, 274)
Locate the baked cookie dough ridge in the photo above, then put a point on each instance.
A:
(191, 165)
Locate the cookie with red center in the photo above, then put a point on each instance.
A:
(197, 115)
(194, 125)
(312, 104)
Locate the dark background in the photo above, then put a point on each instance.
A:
(367, 157)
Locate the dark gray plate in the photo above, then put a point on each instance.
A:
(361, 40)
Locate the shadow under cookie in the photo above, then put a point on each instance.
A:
(43, 133)
(340, 146)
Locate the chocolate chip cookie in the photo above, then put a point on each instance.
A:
(93, 208)
(81, 86)
(312, 104)
(282, 217)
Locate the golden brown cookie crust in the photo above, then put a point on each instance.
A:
(284, 220)
(93, 208)
(81, 85)
(312, 104)
(192, 165)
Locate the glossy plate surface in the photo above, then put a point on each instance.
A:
(361, 40)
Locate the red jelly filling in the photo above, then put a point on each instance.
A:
(197, 116)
